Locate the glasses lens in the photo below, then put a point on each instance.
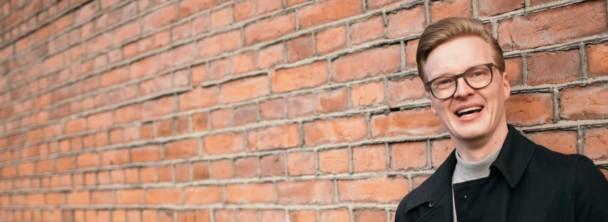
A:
(479, 77)
(443, 88)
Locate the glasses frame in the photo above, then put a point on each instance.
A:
(490, 66)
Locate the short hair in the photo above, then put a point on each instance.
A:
(447, 29)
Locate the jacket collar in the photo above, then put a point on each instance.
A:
(515, 154)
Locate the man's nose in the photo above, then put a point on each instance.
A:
(462, 88)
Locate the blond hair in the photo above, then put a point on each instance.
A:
(447, 29)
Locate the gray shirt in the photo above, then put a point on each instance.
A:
(467, 171)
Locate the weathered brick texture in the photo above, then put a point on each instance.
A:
(263, 110)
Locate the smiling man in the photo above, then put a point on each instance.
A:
(495, 173)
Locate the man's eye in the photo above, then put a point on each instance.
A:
(443, 82)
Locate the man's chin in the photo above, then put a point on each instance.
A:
(468, 132)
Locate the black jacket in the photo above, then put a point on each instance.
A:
(527, 182)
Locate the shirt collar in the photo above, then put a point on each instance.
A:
(512, 161)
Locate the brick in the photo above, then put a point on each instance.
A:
(221, 169)
(127, 114)
(199, 74)
(244, 9)
(244, 89)
(86, 160)
(158, 107)
(440, 150)
(367, 30)
(444, 9)
(327, 11)
(115, 157)
(268, 29)
(219, 69)
(334, 161)
(276, 137)
(243, 62)
(332, 100)
(102, 197)
(250, 193)
(181, 149)
(143, 67)
(245, 114)
(200, 170)
(247, 215)
(78, 198)
(334, 215)
(246, 167)
(559, 141)
(220, 43)
(272, 109)
(596, 144)
(513, 70)
(300, 105)
(272, 165)
(158, 84)
(305, 76)
(366, 63)
(335, 130)
(373, 4)
(404, 89)
(369, 215)
(114, 77)
(330, 39)
(163, 196)
(489, 7)
(299, 48)
(553, 67)
(187, 7)
(147, 153)
(584, 102)
(302, 216)
(409, 123)
(380, 190)
(222, 17)
(408, 156)
(223, 143)
(369, 158)
(159, 18)
(597, 56)
(75, 126)
(269, 5)
(164, 128)
(273, 215)
(181, 31)
(305, 192)
(405, 22)
(578, 20)
(203, 195)
(367, 94)
(221, 118)
(127, 31)
(529, 109)
(301, 163)
(198, 98)
(270, 56)
(100, 121)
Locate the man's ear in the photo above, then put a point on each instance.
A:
(506, 84)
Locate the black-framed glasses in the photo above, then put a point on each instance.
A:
(477, 77)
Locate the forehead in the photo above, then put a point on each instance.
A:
(456, 55)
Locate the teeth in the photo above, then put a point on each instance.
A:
(466, 110)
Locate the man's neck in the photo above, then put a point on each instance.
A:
(476, 149)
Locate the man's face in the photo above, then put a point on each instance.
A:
(469, 114)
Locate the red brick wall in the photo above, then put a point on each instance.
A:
(262, 110)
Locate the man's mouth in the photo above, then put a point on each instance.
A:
(468, 111)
